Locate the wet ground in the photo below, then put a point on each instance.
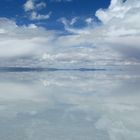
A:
(63, 104)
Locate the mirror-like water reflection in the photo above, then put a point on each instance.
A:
(69, 105)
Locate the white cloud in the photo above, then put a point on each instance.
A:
(121, 25)
(49, 47)
(29, 5)
(18, 41)
(89, 20)
(120, 28)
(69, 26)
(40, 5)
(32, 26)
(36, 16)
(33, 5)
(32, 8)
(67, 22)
(73, 21)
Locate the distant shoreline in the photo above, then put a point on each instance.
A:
(40, 69)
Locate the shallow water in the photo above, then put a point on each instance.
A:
(70, 105)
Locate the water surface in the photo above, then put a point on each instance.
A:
(62, 104)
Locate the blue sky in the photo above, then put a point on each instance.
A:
(81, 9)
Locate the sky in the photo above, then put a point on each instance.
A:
(21, 11)
(83, 33)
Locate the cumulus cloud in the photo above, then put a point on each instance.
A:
(32, 8)
(21, 40)
(32, 5)
(47, 48)
(119, 29)
(29, 5)
(121, 25)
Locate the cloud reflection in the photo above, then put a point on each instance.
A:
(69, 105)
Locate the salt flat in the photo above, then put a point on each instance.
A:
(71, 105)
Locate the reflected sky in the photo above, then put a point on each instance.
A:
(70, 105)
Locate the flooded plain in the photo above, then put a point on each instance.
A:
(84, 104)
